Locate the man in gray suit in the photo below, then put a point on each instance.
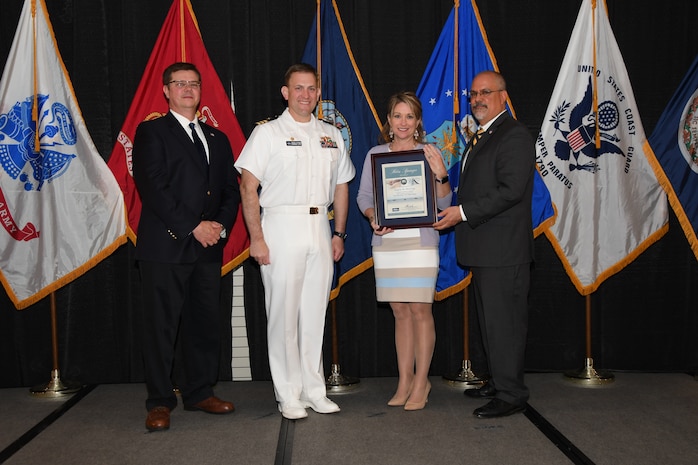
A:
(494, 239)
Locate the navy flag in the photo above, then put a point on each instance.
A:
(346, 104)
(675, 145)
(449, 125)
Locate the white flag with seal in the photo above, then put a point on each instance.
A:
(592, 154)
(61, 209)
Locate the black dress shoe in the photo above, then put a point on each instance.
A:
(485, 392)
(498, 408)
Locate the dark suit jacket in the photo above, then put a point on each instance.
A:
(495, 190)
(178, 190)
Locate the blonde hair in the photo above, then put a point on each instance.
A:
(411, 99)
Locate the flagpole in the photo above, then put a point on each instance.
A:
(337, 382)
(588, 376)
(595, 99)
(55, 387)
(456, 96)
(319, 57)
(465, 378)
(35, 101)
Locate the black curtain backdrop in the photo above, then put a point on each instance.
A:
(645, 318)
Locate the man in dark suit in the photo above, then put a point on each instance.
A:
(494, 238)
(183, 170)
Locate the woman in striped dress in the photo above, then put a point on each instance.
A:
(406, 261)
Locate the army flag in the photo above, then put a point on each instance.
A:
(179, 40)
(592, 153)
(61, 209)
(675, 145)
(346, 104)
(449, 124)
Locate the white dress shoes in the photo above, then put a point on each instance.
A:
(321, 405)
(292, 410)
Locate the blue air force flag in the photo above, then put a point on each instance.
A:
(675, 145)
(61, 209)
(592, 154)
(346, 104)
(449, 124)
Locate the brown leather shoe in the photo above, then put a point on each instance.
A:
(158, 419)
(212, 405)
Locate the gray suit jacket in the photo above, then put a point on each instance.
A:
(495, 191)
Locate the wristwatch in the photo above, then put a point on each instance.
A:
(340, 234)
(443, 180)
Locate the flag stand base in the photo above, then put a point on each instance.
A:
(465, 379)
(55, 387)
(588, 376)
(338, 383)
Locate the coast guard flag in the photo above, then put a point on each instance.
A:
(61, 209)
(179, 40)
(675, 145)
(346, 104)
(449, 124)
(592, 154)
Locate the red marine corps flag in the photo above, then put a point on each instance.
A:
(179, 40)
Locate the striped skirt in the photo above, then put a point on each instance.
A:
(405, 271)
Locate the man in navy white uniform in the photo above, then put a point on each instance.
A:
(303, 168)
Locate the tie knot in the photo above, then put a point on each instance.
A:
(477, 135)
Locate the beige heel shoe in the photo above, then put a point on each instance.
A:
(399, 401)
(419, 405)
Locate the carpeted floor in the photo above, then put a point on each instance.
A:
(638, 419)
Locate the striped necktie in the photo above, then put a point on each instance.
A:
(476, 137)
(478, 134)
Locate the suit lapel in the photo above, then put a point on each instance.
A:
(474, 150)
(180, 134)
(210, 140)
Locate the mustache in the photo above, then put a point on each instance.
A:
(478, 105)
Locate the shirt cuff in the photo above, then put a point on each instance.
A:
(462, 213)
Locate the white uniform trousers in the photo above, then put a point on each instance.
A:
(297, 286)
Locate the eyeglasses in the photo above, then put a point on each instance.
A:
(483, 93)
(183, 84)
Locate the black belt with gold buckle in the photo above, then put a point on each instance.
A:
(314, 210)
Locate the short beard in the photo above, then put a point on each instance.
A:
(479, 110)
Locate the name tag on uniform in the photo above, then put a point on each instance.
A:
(294, 143)
(327, 143)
